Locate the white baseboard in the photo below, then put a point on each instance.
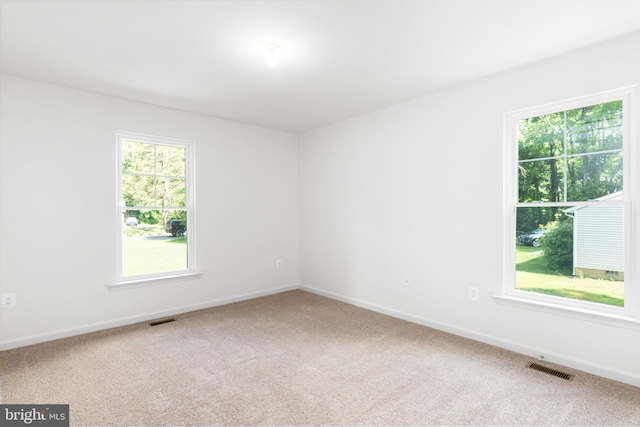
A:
(560, 359)
(49, 336)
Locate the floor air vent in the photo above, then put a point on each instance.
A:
(161, 322)
(550, 371)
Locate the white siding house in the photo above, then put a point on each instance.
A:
(598, 239)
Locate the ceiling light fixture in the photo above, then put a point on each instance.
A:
(272, 52)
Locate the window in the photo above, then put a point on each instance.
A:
(566, 207)
(155, 207)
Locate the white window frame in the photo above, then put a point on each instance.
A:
(124, 282)
(630, 313)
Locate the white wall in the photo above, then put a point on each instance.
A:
(57, 221)
(378, 198)
(415, 190)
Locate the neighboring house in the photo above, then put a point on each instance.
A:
(598, 240)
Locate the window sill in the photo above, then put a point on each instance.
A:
(619, 320)
(139, 283)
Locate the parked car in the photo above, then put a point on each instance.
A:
(533, 238)
(131, 221)
(176, 227)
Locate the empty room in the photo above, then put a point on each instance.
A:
(319, 212)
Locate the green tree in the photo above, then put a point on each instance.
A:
(593, 129)
(557, 245)
(153, 177)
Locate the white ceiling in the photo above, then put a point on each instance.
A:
(340, 58)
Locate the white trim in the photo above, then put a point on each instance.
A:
(150, 281)
(569, 104)
(570, 156)
(619, 319)
(65, 333)
(153, 139)
(122, 281)
(561, 359)
(569, 361)
(507, 289)
(576, 234)
(570, 304)
(569, 204)
(630, 157)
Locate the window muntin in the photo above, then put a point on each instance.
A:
(573, 155)
(567, 168)
(155, 194)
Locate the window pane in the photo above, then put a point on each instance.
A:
(595, 128)
(170, 192)
(541, 181)
(137, 157)
(170, 160)
(149, 183)
(138, 190)
(594, 176)
(530, 219)
(155, 243)
(541, 136)
(575, 253)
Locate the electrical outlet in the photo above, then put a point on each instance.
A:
(278, 263)
(474, 293)
(8, 300)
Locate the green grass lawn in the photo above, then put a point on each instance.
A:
(143, 230)
(532, 274)
(146, 256)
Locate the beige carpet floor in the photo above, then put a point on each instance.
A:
(300, 359)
